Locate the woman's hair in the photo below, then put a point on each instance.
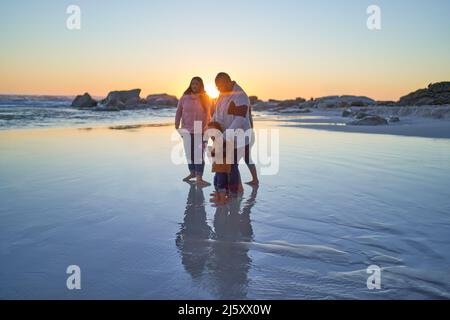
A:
(204, 98)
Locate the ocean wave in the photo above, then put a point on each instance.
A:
(21, 112)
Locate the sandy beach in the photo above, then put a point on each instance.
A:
(410, 125)
(112, 202)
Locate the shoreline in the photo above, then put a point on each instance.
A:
(442, 131)
(434, 129)
(92, 127)
(410, 124)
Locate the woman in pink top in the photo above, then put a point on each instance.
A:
(193, 112)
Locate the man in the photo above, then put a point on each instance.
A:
(233, 112)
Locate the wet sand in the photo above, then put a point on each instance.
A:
(112, 202)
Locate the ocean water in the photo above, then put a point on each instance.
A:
(113, 203)
(30, 112)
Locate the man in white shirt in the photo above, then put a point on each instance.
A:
(233, 112)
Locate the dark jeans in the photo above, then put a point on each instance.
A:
(231, 181)
(196, 168)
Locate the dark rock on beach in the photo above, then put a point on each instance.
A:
(386, 103)
(345, 101)
(264, 106)
(361, 115)
(435, 94)
(347, 113)
(369, 121)
(358, 103)
(393, 119)
(121, 99)
(162, 99)
(440, 87)
(357, 114)
(84, 101)
(290, 103)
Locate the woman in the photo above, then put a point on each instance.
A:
(194, 106)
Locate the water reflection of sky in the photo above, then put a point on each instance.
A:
(114, 203)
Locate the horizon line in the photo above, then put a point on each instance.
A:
(250, 95)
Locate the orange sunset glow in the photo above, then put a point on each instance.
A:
(330, 53)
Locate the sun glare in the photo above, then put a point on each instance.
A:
(212, 91)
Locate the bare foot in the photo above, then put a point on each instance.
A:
(189, 177)
(253, 183)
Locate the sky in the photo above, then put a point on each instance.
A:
(273, 48)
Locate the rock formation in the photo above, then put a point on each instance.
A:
(435, 94)
(83, 101)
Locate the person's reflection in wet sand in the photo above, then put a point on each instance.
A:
(219, 258)
(193, 230)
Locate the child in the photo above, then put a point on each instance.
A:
(221, 170)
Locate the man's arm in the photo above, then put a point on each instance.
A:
(240, 119)
(238, 111)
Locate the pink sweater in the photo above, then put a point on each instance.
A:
(190, 109)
